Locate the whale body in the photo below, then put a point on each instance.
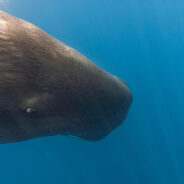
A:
(48, 88)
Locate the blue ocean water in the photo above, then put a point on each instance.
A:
(139, 41)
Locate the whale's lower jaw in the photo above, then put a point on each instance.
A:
(94, 137)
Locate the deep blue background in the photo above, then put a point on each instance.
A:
(141, 41)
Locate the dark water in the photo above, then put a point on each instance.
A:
(143, 43)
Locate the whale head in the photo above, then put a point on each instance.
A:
(48, 88)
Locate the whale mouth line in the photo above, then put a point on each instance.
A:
(96, 136)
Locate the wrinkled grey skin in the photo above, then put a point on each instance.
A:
(47, 88)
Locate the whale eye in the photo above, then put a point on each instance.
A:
(29, 110)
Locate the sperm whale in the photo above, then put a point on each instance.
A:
(48, 88)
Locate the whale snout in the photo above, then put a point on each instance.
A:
(125, 94)
(110, 109)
